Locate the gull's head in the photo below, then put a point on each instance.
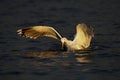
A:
(63, 41)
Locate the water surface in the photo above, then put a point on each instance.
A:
(43, 59)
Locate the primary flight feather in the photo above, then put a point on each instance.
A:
(84, 34)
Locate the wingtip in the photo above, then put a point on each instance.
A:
(19, 32)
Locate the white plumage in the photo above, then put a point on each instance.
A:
(84, 34)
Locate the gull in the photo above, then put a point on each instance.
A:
(81, 41)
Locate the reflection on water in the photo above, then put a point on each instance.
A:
(44, 54)
(56, 63)
(52, 58)
(83, 58)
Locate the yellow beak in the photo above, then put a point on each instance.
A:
(63, 44)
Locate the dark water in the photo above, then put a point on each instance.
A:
(42, 59)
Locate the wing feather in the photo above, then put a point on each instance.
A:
(84, 34)
(39, 31)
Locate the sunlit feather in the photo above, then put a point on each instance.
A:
(84, 34)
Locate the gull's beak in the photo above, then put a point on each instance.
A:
(63, 41)
(63, 44)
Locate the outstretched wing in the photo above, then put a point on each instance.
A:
(84, 34)
(39, 31)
